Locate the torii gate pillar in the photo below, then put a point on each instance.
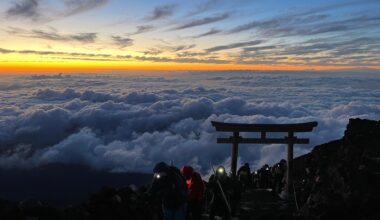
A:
(289, 163)
(234, 154)
(290, 140)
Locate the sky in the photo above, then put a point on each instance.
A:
(117, 35)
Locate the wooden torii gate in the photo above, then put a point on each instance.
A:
(290, 140)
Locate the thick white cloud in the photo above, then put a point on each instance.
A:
(128, 123)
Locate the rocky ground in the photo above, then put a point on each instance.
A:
(264, 204)
(341, 179)
(337, 180)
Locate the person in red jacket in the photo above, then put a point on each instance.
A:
(196, 190)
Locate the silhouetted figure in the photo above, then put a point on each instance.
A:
(278, 173)
(255, 179)
(170, 187)
(218, 204)
(196, 190)
(235, 197)
(243, 174)
(264, 176)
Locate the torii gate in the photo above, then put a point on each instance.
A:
(236, 139)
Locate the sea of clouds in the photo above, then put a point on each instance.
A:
(124, 123)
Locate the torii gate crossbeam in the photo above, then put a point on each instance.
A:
(290, 140)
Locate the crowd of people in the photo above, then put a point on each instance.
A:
(264, 178)
(182, 194)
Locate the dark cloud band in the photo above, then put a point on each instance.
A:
(203, 21)
(233, 45)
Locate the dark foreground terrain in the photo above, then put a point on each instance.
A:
(61, 184)
(337, 180)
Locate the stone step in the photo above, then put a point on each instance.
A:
(260, 204)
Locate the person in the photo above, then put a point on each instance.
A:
(278, 175)
(236, 192)
(170, 187)
(218, 201)
(196, 190)
(264, 175)
(243, 174)
(255, 179)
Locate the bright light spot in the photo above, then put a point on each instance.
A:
(157, 176)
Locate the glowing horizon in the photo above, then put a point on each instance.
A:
(111, 35)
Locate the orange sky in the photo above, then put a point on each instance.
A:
(30, 68)
(102, 36)
(38, 67)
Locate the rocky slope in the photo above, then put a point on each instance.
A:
(341, 179)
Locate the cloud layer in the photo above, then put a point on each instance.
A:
(130, 122)
(25, 9)
(162, 11)
(202, 21)
(36, 9)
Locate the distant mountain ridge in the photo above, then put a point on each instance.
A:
(62, 184)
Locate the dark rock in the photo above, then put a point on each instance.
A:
(341, 176)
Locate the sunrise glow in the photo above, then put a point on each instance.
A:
(110, 35)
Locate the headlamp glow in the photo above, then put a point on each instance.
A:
(220, 170)
(158, 175)
(267, 168)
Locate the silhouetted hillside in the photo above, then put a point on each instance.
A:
(62, 184)
(342, 178)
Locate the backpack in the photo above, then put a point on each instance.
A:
(177, 194)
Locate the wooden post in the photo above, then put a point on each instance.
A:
(234, 154)
(263, 135)
(289, 176)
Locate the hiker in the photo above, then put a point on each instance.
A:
(236, 192)
(220, 203)
(278, 174)
(264, 175)
(170, 187)
(255, 179)
(195, 189)
(243, 174)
